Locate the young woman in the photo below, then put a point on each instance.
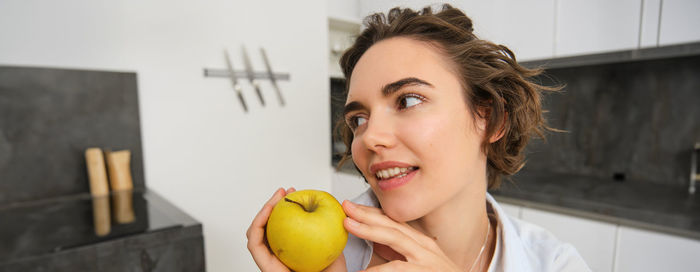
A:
(433, 117)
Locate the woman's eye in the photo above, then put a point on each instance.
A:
(359, 121)
(409, 101)
(356, 121)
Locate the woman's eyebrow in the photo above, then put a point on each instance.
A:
(391, 88)
(387, 90)
(352, 106)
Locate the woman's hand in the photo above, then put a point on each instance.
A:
(420, 251)
(257, 243)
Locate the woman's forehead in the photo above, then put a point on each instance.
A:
(396, 58)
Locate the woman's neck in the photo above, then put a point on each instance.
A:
(459, 227)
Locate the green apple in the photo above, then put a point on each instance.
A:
(305, 230)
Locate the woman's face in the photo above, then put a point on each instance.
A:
(408, 113)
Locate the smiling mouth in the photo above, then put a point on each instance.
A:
(394, 172)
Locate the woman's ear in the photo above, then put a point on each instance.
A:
(501, 131)
(481, 116)
(484, 114)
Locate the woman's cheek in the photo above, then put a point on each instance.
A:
(358, 154)
(421, 134)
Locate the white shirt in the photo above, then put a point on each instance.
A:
(521, 246)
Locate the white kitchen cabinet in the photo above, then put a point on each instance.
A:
(649, 32)
(640, 250)
(680, 22)
(594, 240)
(595, 26)
(341, 33)
(511, 210)
(525, 27)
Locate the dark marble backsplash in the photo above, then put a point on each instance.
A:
(48, 117)
(636, 121)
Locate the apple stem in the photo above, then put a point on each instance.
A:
(302, 206)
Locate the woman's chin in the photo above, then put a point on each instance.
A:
(402, 212)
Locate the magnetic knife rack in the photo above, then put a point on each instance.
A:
(250, 75)
(208, 72)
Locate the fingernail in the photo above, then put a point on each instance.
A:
(350, 204)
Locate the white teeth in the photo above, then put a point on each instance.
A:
(392, 172)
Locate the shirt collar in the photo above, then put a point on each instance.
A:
(510, 253)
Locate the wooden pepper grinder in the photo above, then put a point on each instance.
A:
(122, 185)
(99, 190)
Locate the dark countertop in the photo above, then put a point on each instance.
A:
(31, 233)
(643, 205)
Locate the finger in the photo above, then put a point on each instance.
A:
(374, 216)
(291, 190)
(391, 237)
(256, 232)
(261, 218)
(265, 260)
(393, 266)
(420, 237)
(347, 205)
(386, 252)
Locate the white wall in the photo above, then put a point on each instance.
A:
(347, 186)
(348, 9)
(201, 152)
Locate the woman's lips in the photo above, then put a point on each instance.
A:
(386, 165)
(395, 182)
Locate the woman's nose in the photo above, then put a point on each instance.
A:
(379, 134)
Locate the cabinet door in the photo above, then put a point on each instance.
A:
(641, 250)
(679, 22)
(525, 27)
(594, 240)
(649, 32)
(594, 26)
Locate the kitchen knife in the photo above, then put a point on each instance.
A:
(234, 81)
(251, 75)
(273, 80)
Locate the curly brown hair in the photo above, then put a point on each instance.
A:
(496, 87)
